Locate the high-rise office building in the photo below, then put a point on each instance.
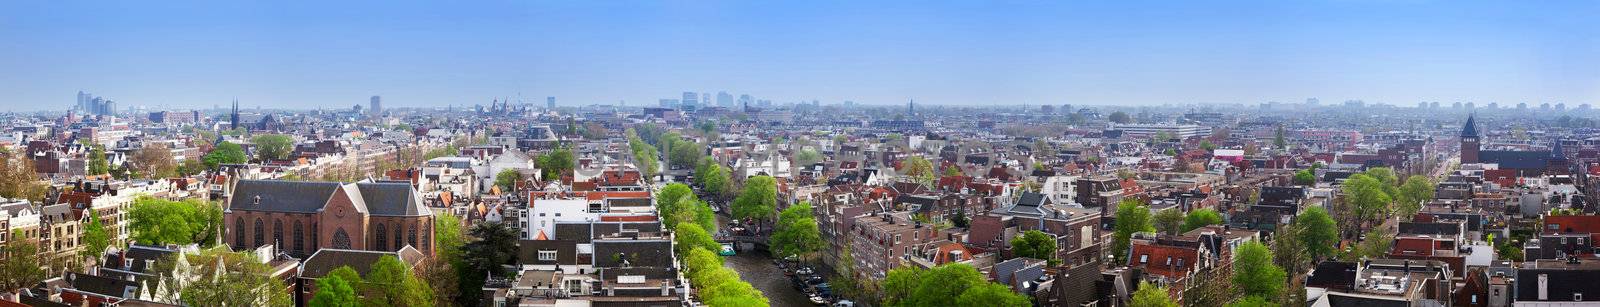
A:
(377, 107)
(95, 105)
(724, 99)
(690, 98)
(745, 100)
(705, 99)
(550, 102)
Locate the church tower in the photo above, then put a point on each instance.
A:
(1469, 141)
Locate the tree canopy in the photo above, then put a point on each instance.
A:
(1034, 244)
(940, 286)
(1200, 218)
(507, 180)
(1150, 295)
(1254, 273)
(273, 146)
(919, 169)
(797, 233)
(1168, 221)
(1132, 216)
(1317, 232)
(758, 201)
(556, 163)
(158, 221)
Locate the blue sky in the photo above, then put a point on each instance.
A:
(313, 54)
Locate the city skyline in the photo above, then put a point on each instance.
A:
(304, 55)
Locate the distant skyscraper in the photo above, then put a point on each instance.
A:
(724, 99)
(705, 99)
(377, 107)
(550, 102)
(690, 98)
(1313, 101)
(745, 100)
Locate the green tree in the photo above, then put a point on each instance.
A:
(992, 294)
(1120, 117)
(956, 282)
(1150, 295)
(1200, 218)
(1365, 201)
(95, 238)
(684, 154)
(333, 291)
(1316, 232)
(494, 247)
(797, 233)
(758, 201)
(243, 281)
(1034, 244)
(1168, 221)
(98, 165)
(919, 169)
(1132, 216)
(807, 157)
(507, 180)
(690, 236)
(1253, 301)
(22, 267)
(1278, 139)
(441, 271)
(1253, 271)
(1305, 177)
(952, 171)
(1374, 244)
(669, 196)
(273, 146)
(1416, 191)
(556, 163)
(1288, 251)
(157, 221)
(396, 285)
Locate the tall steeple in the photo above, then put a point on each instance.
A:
(234, 118)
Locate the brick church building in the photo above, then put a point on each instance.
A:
(302, 217)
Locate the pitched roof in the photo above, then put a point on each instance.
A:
(392, 199)
(1470, 129)
(281, 196)
(328, 259)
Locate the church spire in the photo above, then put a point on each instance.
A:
(1470, 129)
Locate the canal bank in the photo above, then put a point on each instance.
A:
(756, 268)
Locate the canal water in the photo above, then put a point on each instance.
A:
(756, 268)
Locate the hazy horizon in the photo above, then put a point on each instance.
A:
(306, 55)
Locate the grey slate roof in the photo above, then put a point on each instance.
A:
(393, 199)
(375, 198)
(281, 196)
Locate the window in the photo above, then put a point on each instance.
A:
(398, 237)
(261, 232)
(277, 233)
(1145, 258)
(547, 255)
(382, 240)
(238, 231)
(574, 286)
(1180, 262)
(341, 239)
(1169, 260)
(299, 238)
(1552, 227)
(411, 236)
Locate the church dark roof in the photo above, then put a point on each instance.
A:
(1470, 129)
(375, 198)
(281, 196)
(1517, 160)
